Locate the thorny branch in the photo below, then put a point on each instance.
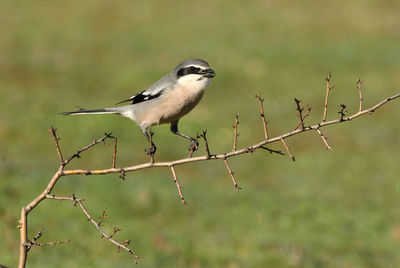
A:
(231, 174)
(359, 82)
(26, 243)
(324, 139)
(177, 185)
(328, 89)
(103, 234)
(300, 111)
(341, 112)
(204, 136)
(34, 242)
(235, 132)
(262, 114)
(287, 149)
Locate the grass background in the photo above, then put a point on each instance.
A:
(327, 209)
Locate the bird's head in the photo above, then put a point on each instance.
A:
(193, 71)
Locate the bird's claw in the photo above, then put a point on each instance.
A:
(151, 150)
(194, 145)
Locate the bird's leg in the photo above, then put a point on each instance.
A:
(152, 149)
(194, 143)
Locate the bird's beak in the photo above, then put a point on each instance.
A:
(209, 73)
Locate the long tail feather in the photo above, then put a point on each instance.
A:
(94, 111)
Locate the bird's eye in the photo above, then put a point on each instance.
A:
(192, 68)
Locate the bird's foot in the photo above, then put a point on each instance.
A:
(151, 150)
(194, 145)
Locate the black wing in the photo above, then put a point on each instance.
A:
(142, 96)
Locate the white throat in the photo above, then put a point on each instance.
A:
(194, 82)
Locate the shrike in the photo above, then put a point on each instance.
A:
(166, 101)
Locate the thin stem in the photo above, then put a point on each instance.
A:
(231, 174)
(328, 88)
(359, 82)
(108, 237)
(53, 130)
(262, 114)
(235, 127)
(177, 185)
(287, 149)
(324, 140)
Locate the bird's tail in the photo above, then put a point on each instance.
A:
(94, 111)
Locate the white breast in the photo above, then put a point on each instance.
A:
(171, 105)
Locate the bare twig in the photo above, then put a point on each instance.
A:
(23, 222)
(33, 243)
(235, 132)
(204, 136)
(73, 198)
(103, 234)
(115, 153)
(341, 112)
(177, 185)
(191, 151)
(88, 147)
(123, 174)
(53, 130)
(38, 235)
(304, 116)
(53, 243)
(102, 217)
(328, 88)
(324, 140)
(231, 174)
(271, 150)
(359, 82)
(115, 230)
(287, 149)
(262, 114)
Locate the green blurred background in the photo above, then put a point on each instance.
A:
(327, 209)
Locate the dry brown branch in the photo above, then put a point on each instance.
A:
(271, 150)
(73, 198)
(287, 149)
(204, 136)
(233, 153)
(23, 222)
(88, 147)
(25, 243)
(343, 108)
(302, 117)
(300, 111)
(193, 146)
(231, 174)
(102, 217)
(359, 82)
(53, 243)
(328, 89)
(115, 153)
(115, 230)
(53, 130)
(177, 185)
(34, 243)
(262, 114)
(324, 140)
(103, 234)
(235, 134)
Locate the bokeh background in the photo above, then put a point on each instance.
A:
(327, 209)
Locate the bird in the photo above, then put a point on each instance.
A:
(165, 102)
